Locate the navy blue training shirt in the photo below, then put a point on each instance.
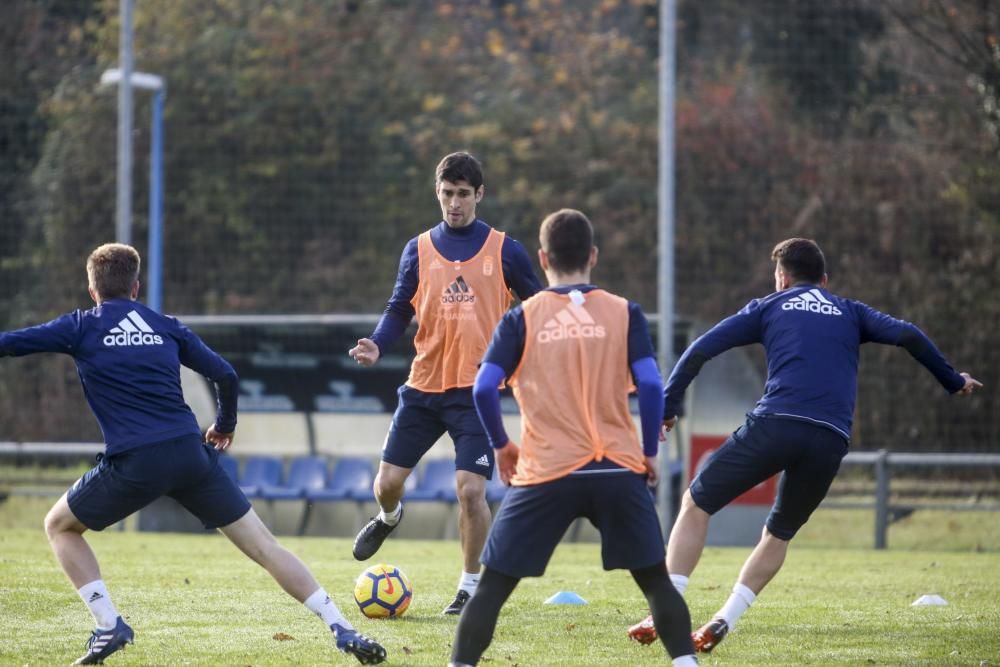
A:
(812, 339)
(456, 245)
(129, 357)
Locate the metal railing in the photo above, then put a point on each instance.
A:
(883, 462)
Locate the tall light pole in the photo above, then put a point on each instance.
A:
(158, 86)
(665, 228)
(123, 218)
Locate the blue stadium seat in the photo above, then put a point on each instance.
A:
(231, 466)
(305, 473)
(350, 479)
(436, 482)
(258, 472)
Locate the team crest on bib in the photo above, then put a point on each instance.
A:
(488, 266)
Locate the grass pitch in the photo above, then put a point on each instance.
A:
(195, 600)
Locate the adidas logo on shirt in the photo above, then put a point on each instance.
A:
(812, 301)
(570, 322)
(458, 292)
(132, 330)
(483, 461)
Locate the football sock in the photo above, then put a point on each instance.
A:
(680, 582)
(670, 613)
(740, 600)
(468, 582)
(685, 661)
(391, 518)
(95, 595)
(479, 619)
(320, 604)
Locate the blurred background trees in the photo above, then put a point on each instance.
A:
(301, 139)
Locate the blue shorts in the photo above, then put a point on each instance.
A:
(808, 454)
(422, 417)
(186, 469)
(533, 519)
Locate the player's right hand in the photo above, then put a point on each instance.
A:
(365, 352)
(971, 384)
(507, 457)
(652, 473)
(221, 441)
(669, 424)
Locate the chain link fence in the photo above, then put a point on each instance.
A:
(301, 139)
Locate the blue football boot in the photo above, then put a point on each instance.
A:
(367, 651)
(105, 642)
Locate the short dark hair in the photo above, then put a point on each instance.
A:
(566, 237)
(460, 166)
(113, 270)
(801, 259)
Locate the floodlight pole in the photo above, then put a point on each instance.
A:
(158, 86)
(665, 235)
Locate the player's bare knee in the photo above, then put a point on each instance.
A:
(471, 492)
(767, 535)
(59, 520)
(687, 502)
(388, 489)
(690, 509)
(50, 524)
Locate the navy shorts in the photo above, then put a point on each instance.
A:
(533, 519)
(422, 417)
(807, 453)
(185, 469)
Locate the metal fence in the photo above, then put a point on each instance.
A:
(882, 462)
(300, 139)
(886, 509)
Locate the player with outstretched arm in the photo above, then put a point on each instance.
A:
(129, 357)
(800, 427)
(457, 279)
(572, 353)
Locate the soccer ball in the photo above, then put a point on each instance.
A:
(383, 591)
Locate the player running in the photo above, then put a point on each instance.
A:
(800, 427)
(457, 280)
(129, 359)
(571, 353)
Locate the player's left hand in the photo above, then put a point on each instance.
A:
(652, 473)
(507, 457)
(220, 441)
(971, 384)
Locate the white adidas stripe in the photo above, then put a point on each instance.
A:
(133, 323)
(139, 322)
(127, 326)
(571, 314)
(812, 296)
(819, 295)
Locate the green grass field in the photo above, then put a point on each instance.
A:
(194, 600)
